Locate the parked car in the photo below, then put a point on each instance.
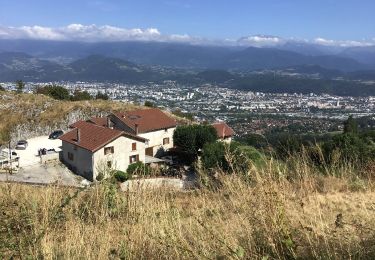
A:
(22, 145)
(56, 134)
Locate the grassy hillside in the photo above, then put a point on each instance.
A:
(28, 115)
(275, 212)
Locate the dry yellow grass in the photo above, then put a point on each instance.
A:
(253, 217)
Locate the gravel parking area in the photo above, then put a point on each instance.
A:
(29, 156)
(32, 171)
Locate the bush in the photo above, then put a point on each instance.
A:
(238, 157)
(56, 92)
(213, 155)
(81, 95)
(100, 176)
(121, 176)
(352, 147)
(149, 104)
(102, 96)
(138, 168)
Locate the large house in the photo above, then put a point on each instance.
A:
(116, 141)
(151, 124)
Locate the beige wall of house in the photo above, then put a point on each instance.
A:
(120, 159)
(89, 165)
(79, 160)
(156, 139)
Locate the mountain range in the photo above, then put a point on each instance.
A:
(251, 68)
(201, 56)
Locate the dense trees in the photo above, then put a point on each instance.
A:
(191, 138)
(54, 91)
(61, 93)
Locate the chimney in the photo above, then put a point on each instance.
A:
(108, 122)
(78, 139)
(136, 129)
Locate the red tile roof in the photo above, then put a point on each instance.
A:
(101, 121)
(93, 137)
(76, 124)
(223, 130)
(147, 120)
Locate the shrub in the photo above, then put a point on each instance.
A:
(100, 176)
(102, 96)
(351, 147)
(213, 155)
(121, 176)
(138, 168)
(81, 95)
(149, 104)
(56, 92)
(234, 155)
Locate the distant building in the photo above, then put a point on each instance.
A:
(224, 132)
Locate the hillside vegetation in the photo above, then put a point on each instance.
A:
(29, 115)
(270, 212)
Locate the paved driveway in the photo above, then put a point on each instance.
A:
(29, 156)
(53, 173)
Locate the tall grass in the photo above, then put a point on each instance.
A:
(278, 211)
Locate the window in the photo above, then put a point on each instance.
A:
(109, 150)
(70, 156)
(133, 158)
(109, 164)
(166, 141)
(134, 146)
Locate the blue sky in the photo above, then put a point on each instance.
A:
(214, 19)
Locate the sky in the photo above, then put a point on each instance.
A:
(330, 20)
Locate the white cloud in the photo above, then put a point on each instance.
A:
(326, 42)
(261, 41)
(95, 33)
(89, 33)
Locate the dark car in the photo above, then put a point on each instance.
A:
(21, 145)
(56, 134)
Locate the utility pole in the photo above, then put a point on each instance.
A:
(10, 160)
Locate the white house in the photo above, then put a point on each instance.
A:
(116, 141)
(152, 124)
(89, 149)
